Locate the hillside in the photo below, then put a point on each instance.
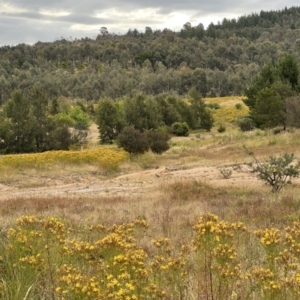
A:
(220, 60)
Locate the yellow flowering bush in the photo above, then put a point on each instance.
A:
(47, 258)
(215, 246)
(105, 157)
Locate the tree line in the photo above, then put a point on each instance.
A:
(29, 122)
(32, 122)
(220, 61)
(152, 113)
(150, 81)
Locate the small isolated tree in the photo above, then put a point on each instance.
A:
(275, 171)
(133, 140)
(158, 141)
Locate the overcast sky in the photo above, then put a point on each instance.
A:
(30, 21)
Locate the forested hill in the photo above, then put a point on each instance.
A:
(220, 60)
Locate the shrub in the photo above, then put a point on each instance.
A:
(245, 124)
(238, 106)
(221, 128)
(158, 141)
(275, 171)
(226, 173)
(133, 141)
(180, 129)
(213, 105)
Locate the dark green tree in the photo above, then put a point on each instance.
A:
(269, 110)
(267, 77)
(142, 112)
(7, 136)
(288, 70)
(270, 90)
(133, 140)
(38, 101)
(293, 111)
(199, 81)
(158, 141)
(110, 120)
(202, 116)
(21, 123)
(184, 110)
(169, 112)
(61, 138)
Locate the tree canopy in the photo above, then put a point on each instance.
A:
(268, 96)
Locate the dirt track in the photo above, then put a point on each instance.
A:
(147, 181)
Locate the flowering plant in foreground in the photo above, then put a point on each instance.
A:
(47, 258)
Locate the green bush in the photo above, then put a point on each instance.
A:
(133, 140)
(245, 124)
(158, 141)
(180, 129)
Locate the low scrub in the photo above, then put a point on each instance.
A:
(277, 172)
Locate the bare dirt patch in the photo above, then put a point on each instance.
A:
(135, 183)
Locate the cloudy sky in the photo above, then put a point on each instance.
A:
(30, 21)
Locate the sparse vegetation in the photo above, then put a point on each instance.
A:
(275, 171)
(226, 173)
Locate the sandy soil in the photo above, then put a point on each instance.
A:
(147, 181)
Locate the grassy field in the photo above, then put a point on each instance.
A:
(191, 234)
